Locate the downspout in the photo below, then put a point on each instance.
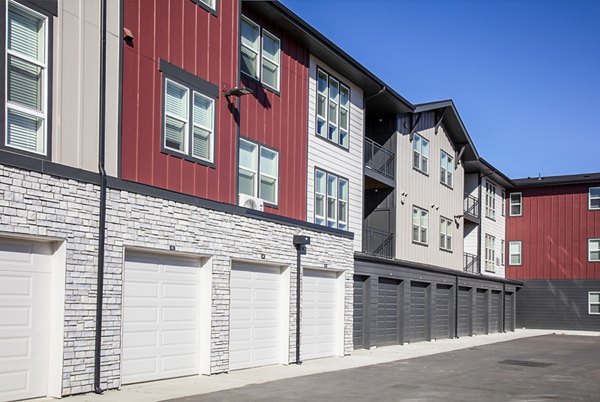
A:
(456, 308)
(504, 307)
(298, 303)
(479, 226)
(102, 212)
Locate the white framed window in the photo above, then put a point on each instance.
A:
(331, 200)
(502, 252)
(188, 122)
(445, 234)
(258, 171)
(27, 82)
(446, 168)
(503, 203)
(490, 200)
(594, 302)
(594, 250)
(421, 154)
(210, 3)
(260, 54)
(333, 109)
(515, 204)
(514, 252)
(594, 198)
(420, 225)
(490, 253)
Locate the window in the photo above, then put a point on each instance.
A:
(27, 80)
(211, 4)
(331, 200)
(420, 223)
(503, 203)
(490, 253)
(420, 154)
(446, 168)
(490, 200)
(594, 302)
(445, 234)
(260, 54)
(259, 171)
(516, 204)
(514, 252)
(502, 252)
(594, 198)
(188, 120)
(594, 250)
(333, 109)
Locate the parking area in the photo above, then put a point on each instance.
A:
(549, 367)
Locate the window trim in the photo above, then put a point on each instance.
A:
(503, 195)
(490, 262)
(420, 152)
(502, 252)
(590, 301)
(589, 250)
(258, 174)
(194, 85)
(412, 226)
(214, 10)
(339, 107)
(590, 199)
(45, 10)
(448, 169)
(520, 243)
(337, 199)
(446, 235)
(490, 211)
(520, 203)
(259, 75)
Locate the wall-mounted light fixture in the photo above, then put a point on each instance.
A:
(237, 92)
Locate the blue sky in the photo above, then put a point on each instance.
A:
(525, 75)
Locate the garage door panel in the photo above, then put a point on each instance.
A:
(479, 317)
(359, 302)
(185, 315)
(389, 311)
(442, 311)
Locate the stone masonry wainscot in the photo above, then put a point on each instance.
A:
(45, 207)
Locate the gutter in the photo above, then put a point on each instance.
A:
(102, 212)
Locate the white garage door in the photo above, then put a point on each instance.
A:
(319, 310)
(25, 274)
(160, 317)
(255, 326)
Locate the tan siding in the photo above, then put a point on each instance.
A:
(76, 84)
(494, 228)
(325, 155)
(424, 191)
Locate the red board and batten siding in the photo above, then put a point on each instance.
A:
(554, 229)
(186, 35)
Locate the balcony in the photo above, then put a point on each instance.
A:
(378, 243)
(470, 263)
(380, 163)
(471, 205)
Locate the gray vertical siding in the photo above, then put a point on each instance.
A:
(557, 304)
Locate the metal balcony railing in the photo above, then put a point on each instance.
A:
(379, 159)
(472, 206)
(378, 243)
(470, 263)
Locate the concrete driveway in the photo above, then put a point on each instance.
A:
(549, 367)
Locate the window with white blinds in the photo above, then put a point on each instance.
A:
(258, 171)
(26, 80)
(189, 120)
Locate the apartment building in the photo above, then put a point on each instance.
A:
(553, 245)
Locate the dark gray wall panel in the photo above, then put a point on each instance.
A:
(359, 315)
(557, 304)
(509, 311)
(464, 311)
(495, 311)
(480, 312)
(419, 328)
(442, 322)
(389, 312)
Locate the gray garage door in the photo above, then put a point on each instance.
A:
(359, 311)
(464, 311)
(389, 312)
(419, 309)
(479, 318)
(443, 312)
(509, 318)
(496, 311)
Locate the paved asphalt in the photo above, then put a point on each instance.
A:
(550, 367)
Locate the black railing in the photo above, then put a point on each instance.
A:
(472, 206)
(379, 159)
(470, 263)
(378, 243)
